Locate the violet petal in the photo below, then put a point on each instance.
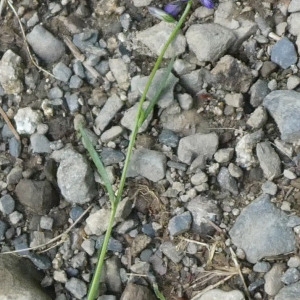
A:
(208, 3)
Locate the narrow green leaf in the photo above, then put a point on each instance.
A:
(157, 292)
(98, 163)
(162, 86)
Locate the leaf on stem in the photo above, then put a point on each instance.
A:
(98, 163)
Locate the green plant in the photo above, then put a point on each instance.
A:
(140, 118)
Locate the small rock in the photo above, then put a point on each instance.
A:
(272, 278)
(110, 156)
(294, 262)
(27, 120)
(284, 53)
(290, 276)
(180, 224)
(3, 228)
(120, 72)
(14, 176)
(7, 204)
(72, 102)
(289, 292)
(11, 73)
(258, 118)
(156, 36)
(224, 155)
(235, 171)
(111, 134)
(88, 246)
(140, 242)
(259, 223)
(14, 147)
(262, 267)
(234, 99)
(112, 105)
(289, 174)
(45, 45)
(294, 23)
(141, 3)
(269, 187)
(196, 145)
(75, 82)
(74, 176)
(62, 72)
(199, 178)
(148, 163)
(217, 294)
(227, 182)
(203, 209)
(185, 101)
(39, 143)
(38, 196)
(240, 79)
(294, 6)
(258, 91)
(269, 160)
(219, 39)
(113, 244)
(112, 275)
(171, 251)
(292, 82)
(60, 276)
(46, 223)
(168, 138)
(76, 287)
(134, 291)
(15, 217)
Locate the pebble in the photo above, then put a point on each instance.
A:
(180, 224)
(203, 208)
(234, 99)
(148, 163)
(290, 292)
(88, 246)
(15, 217)
(79, 69)
(172, 252)
(6, 133)
(269, 187)
(55, 93)
(258, 223)
(293, 221)
(240, 79)
(196, 145)
(294, 6)
(120, 72)
(62, 72)
(112, 105)
(199, 178)
(111, 134)
(15, 147)
(60, 276)
(219, 39)
(27, 120)
(45, 45)
(46, 223)
(113, 244)
(269, 160)
(262, 267)
(258, 118)
(290, 276)
(74, 176)
(11, 73)
(168, 138)
(156, 36)
(140, 242)
(284, 53)
(76, 287)
(294, 262)
(227, 182)
(224, 155)
(258, 91)
(185, 101)
(292, 82)
(284, 107)
(14, 176)
(38, 196)
(110, 156)
(289, 174)
(7, 204)
(39, 143)
(294, 23)
(235, 171)
(217, 294)
(272, 278)
(135, 291)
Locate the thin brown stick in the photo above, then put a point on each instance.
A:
(9, 124)
(2, 5)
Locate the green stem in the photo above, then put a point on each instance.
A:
(94, 287)
(143, 98)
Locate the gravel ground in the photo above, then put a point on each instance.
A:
(211, 205)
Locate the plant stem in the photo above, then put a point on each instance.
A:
(143, 98)
(94, 287)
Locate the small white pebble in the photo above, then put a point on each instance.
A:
(289, 174)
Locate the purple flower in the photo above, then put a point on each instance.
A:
(174, 8)
(208, 3)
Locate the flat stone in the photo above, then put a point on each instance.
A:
(258, 91)
(185, 101)
(75, 82)
(269, 160)
(111, 134)
(290, 292)
(39, 143)
(112, 275)
(240, 79)
(269, 187)
(149, 164)
(140, 242)
(294, 23)
(168, 138)
(7, 204)
(217, 294)
(108, 111)
(218, 41)
(46, 223)
(234, 99)
(20, 279)
(15, 217)
(258, 118)
(135, 291)
(45, 45)
(195, 145)
(111, 156)
(74, 176)
(199, 178)
(294, 6)
(37, 196)
(203, 208)
(180, 224)
(171, 251)
(120, 72)
(62, 72)
(76, 287)
(224, 155)
(15, 147)
(262, 267)
(227, 182)
(284, 53)
(27, 120)
(284, 107)
(72, 101)
(272, 278)
(156, 36)
(259, 223)
(291, 275)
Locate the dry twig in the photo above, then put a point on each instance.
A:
(9, 124)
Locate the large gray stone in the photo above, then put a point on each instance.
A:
(45, 45)
(290, 292)
(218, 40)
(20, 280)
(217, 294)
(284, 107)
(198, 144)
(261, 230)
